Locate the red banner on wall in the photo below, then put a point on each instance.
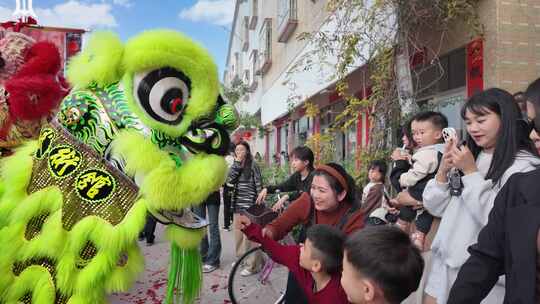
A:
(475, 67)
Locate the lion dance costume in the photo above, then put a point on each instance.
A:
(143, 130)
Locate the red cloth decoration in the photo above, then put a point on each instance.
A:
(475, 67)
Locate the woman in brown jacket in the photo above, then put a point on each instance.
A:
(332, 201)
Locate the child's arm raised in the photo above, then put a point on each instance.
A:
(288, 256)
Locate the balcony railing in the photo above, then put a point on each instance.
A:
(265, 38)
(287, 19)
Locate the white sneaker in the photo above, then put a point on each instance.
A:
(209, 268)
(246, 272)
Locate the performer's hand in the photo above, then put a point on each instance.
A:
(267, 233)
(262, 196)
(242, 222)
(280, 203)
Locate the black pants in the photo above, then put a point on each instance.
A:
(227, 207)
(149, 228)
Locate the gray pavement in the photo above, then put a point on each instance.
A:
(151, 285)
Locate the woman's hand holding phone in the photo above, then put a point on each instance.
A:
(463, 159)
(446, 163)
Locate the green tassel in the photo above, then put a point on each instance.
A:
(173, 273)
(185, 275)
(191, 279)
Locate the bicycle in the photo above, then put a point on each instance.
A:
(267, 286)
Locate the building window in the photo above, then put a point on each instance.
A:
(287, 19)
(284, 133)
(246, 77)
(351, 142)
(235, 69)
(303, 130)
(265, 38)
(253, 57)
(245, 34)
(272, 145)
(447, 74)
(254, 10)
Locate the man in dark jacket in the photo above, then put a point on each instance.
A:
(508, 245)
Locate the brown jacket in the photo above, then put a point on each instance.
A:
(298, 213)
(373, 199)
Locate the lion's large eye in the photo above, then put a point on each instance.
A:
(163, 94)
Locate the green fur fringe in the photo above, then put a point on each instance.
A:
(185, 238)
(185, 275)
(15, 173)
(98, 63)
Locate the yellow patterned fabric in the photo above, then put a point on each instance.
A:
(90, 186)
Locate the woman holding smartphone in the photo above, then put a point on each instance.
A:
(510, 242)
(497, 146)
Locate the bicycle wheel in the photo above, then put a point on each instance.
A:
(267, 286)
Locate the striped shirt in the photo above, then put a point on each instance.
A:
(247, 185)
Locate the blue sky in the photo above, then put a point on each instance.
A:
(207, 21)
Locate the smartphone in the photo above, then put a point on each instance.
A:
(449, 134)
(455, 183)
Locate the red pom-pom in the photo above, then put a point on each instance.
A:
(42, 57)
(33, 97)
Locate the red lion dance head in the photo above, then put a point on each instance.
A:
(31, 87)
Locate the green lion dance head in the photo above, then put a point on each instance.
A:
(143, 130)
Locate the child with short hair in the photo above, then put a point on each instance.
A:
(427, 134)
(380, 265)
(316, 264)
(302, 160)
(373, 194)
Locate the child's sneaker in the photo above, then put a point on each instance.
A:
(418, 238)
